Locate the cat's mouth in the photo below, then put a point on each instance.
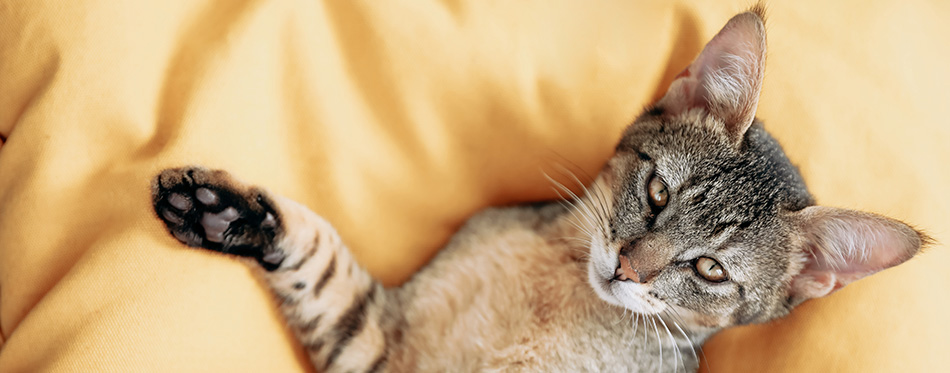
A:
(614, 279)
(624, 289)
(635, 297)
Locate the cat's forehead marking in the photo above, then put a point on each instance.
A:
(674, 170)
(691, 192)
(721, 244)
(734, 259)
(692, 253)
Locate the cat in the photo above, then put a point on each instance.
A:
(697, 223)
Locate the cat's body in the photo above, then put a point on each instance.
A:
(699, 222)
(544, 317)
(509, 291)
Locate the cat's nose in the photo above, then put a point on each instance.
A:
(633, 266)
(625, 271)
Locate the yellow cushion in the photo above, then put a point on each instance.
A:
(399, 119)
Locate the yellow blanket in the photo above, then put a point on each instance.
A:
(398, 119)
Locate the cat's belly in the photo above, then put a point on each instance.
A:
(508, 293)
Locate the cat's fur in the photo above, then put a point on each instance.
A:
(541, 287)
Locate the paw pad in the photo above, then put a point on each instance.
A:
(207, 209)
(215, 224)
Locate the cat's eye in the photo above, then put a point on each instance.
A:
(657, 192)
(710, 269)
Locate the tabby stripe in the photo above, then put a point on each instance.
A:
(287, 300)
(309, 326)
(381, 360)
(315, 346)
(686, 185)
(327, 274)
(350, 324)
(305, 258)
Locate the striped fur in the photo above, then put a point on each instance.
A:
(334, 307)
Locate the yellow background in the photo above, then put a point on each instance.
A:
(398, 119)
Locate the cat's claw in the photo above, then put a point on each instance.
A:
(208, 209)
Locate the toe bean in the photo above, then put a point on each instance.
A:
(206, 196)
(179, 201)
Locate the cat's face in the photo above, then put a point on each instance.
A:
(705, 229)
(700, 214)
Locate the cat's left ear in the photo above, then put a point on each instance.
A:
(842, 246)
(726, 77)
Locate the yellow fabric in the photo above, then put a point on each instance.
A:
(397, 119)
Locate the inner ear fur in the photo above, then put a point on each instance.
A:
(841, 246)
(726, 78)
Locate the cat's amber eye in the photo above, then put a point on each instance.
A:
(657, 192)
(710, 269)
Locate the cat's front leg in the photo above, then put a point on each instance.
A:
(336, 309)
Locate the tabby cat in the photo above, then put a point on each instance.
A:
(698, 222)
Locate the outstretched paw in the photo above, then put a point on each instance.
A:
(209, 209)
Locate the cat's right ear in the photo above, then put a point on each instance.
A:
(841, 246)
(726, 77)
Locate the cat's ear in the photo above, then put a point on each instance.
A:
(842, 246)
(726, 77)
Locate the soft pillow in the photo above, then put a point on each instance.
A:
(398, 119)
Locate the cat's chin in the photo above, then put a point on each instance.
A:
(627, 294)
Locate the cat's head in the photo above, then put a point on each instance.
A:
(700, 214)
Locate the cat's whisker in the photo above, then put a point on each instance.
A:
(575, 205)
(557, 186)
(582, 228)
(599, 194)
(566, 171)
(596, 212)
(644, 332)
(584, 254)
(701, 352)
(578, 202)
(659, 345)
(636, 324)
(562, 187)
(598, 205)
(673, 320)
(564, 201)
(622, 316)
(594, 196)
(580, 245)
(673, 341)
(577, 223)
(583, 241)
(589, 215)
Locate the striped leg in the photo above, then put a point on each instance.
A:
(336, 309)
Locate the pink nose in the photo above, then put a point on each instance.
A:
(626, 272)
